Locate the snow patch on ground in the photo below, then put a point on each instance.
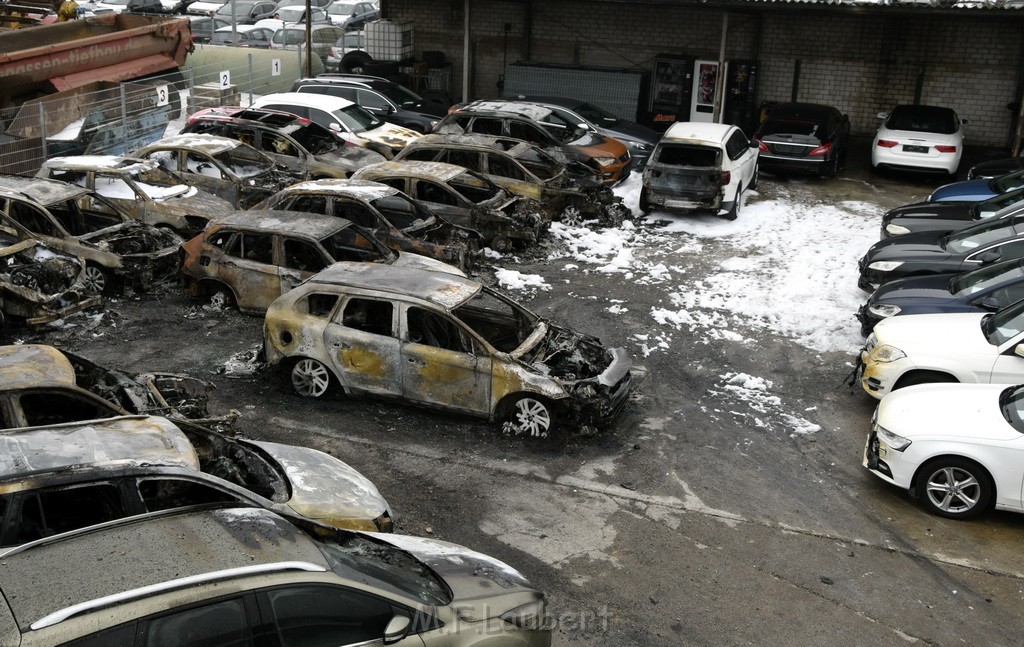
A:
(755, 393)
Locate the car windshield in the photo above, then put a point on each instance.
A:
(291, 14)
(357, 118)
(474, 188)
(923, 119)
(1011, 404)
(596, 115)
(502, 322)
(244, 465)
(1009, 182)
(289, 36)
(240, 9)
(964, 241)
(350, 244)
(688, 155)
(969, 283)
(1002, 205)
(244, 162)
(398, 94)
(316, 139)
(800, 130)
(1004, 325)
(401, 212)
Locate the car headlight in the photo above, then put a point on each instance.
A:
(894, 441)
(637, 146)
(604, 161)
(527, 616)
(896, 230)
(885, 353)
(883, 310)
(885, 266)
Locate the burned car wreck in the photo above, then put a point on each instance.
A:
(39, 285)
(118, 250)
(465, 198)
(444, 342)
(569, 190)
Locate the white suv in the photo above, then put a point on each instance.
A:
(700, 167)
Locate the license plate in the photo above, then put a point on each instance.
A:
(907, 148)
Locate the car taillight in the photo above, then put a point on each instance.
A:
(821, 151)
(726, 177)
(946, 149)
(761, 146)
(887, 143)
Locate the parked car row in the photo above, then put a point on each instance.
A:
(945, 347)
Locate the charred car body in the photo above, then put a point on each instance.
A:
(253, 257)
(117, 249)
(225, 167)
(302, 146)
(543, 127)
(566, 188)
(465, 198)
(39, 285)
(391, 216)
(141, 188)
(445, 342)
(60, 478)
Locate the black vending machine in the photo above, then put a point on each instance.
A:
(740, 108)
(671, 89)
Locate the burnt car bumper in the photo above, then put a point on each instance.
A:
(597, 401)
(140, 269)
(53, 311)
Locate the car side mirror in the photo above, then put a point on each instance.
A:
(883, 115)
(1018, 350)
(335, 126)
(990, 256)
(397, 629)
(755, 143)
(989, 303)
(964, 122)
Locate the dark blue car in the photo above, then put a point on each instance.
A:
(985, 289)
(978, 190)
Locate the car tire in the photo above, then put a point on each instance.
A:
(355, 62)
(501, 244)
(95, 279)
(734, 210)
(831, 168)
(954, 487)
(753, 178)
(220, 297)
(310, 378)
(529, 416)
(645, 203)
(924, 377)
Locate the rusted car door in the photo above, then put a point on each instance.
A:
(442, 364)
(363, 347)
(247, 265)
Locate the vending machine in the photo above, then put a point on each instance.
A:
(671, 87)
(740, 100)
(705, 86)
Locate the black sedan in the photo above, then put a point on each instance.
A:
(934, 252)
(995, 168)
(947, 216)
(987, 288)
(803, 138)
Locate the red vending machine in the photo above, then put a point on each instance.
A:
(671, 89)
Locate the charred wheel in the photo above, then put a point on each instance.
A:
(529, 416)
(95, 279)
(310, 378)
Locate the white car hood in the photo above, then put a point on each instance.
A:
(947, 411)
(926, 334)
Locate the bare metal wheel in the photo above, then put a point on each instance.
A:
(572, 216)
(310, 378)
(530, 417)
(501, 244)
(94, 279)
(954, 487)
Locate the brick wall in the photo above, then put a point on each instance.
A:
(861, 63)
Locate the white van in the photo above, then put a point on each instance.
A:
(346, 119)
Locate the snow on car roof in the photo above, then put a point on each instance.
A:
(210, 144)
(513, 147)
(529, 110)
(39, 190)
(437, 171)
(29, 365)
(698, 131)
(299, 222)
(362, 189)
(129, 165)
(445, 290)
(129, 439)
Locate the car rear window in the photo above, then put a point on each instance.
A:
(687, 155)
(925, 119)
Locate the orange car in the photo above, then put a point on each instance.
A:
(543, 127)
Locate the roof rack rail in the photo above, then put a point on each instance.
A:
(144, 591)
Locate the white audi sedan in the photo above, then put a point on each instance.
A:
(919, 138)
(959, 448)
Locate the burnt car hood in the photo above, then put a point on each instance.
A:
(482, 587)
(351, 157)
(573, 357)
(324, 488)
(200, 203)
(420, 262)
(40, 284)
(133, 239)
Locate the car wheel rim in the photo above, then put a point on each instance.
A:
(94, 280)
(531, 418)
(953, 490)
(571, 216)
(310, 378)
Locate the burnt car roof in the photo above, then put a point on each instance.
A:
(298, 222)
(209, 144)
(109, 163)
(32, 365)
(146, 440)
(258, 116)
(39, 190)
(513, 147)
(361, 189)
(816, 111)
(438, 171)
(445, 290)
(525, 109)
